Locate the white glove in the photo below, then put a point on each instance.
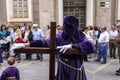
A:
(17, 46)
(64, 48)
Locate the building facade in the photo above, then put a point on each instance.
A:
(42, 12)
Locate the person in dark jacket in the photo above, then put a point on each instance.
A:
(27, 36)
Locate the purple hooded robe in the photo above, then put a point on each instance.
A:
(70, 67)
(10, 72)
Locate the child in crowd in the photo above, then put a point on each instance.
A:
(11, 72)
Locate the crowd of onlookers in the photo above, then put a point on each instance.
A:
(26, 33)
(102, 39)
(21, 34)
(13, 34)
(99, 34)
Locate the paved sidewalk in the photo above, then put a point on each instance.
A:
(36, 70)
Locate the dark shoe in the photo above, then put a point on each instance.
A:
(8, 55)
(97, 60)
(118, 74)
(29, 59)
(25, 59)
(103, 62)
(41, 59)
(114, 57)
(110, 56)
(37, 59)
(86, 60)
(118, 71)
(18, 61)
(89, 57)
(1, 64)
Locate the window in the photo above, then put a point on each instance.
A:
(76, 8)
(20, 8)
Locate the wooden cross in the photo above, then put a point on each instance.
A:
(52, 51)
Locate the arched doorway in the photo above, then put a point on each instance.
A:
(76, 8)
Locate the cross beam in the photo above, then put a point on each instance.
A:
(52, 51)
(31, 50)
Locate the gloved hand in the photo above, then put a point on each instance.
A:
(17, 46)
(64, 48)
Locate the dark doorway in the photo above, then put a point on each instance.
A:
(76, 8)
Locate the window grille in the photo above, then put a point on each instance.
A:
(76, 8)
(20, 8)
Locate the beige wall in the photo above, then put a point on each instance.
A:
(46, 13)
(103, 15)
(36, 9)
(118, 11)
(3, 12)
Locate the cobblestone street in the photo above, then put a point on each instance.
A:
(36, 70)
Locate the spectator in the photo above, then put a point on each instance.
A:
(85, 31)
(26, 37)
(10, 29)
(90, 31)
(103, 45)
(17, 38)
(48, 31)
(5, 39)
(113, 34)
(95, 35)
(37, 34)
(118, 71)
(59, 29)
(23, 27)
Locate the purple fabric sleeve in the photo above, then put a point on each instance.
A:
(40, 43)
(87, 47)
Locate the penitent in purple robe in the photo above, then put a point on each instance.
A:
(1, 58)
(70, 67)
(12, 72)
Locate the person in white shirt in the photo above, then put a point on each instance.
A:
(103, 45)
(113, 34)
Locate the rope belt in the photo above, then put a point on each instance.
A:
(11, 77)
(79, 76)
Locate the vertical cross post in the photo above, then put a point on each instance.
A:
(52, 51)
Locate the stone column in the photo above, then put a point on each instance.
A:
(3, 12)
(60, 12)
(36, 9)
(118, 15)
(89, 12)
(9, 10)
